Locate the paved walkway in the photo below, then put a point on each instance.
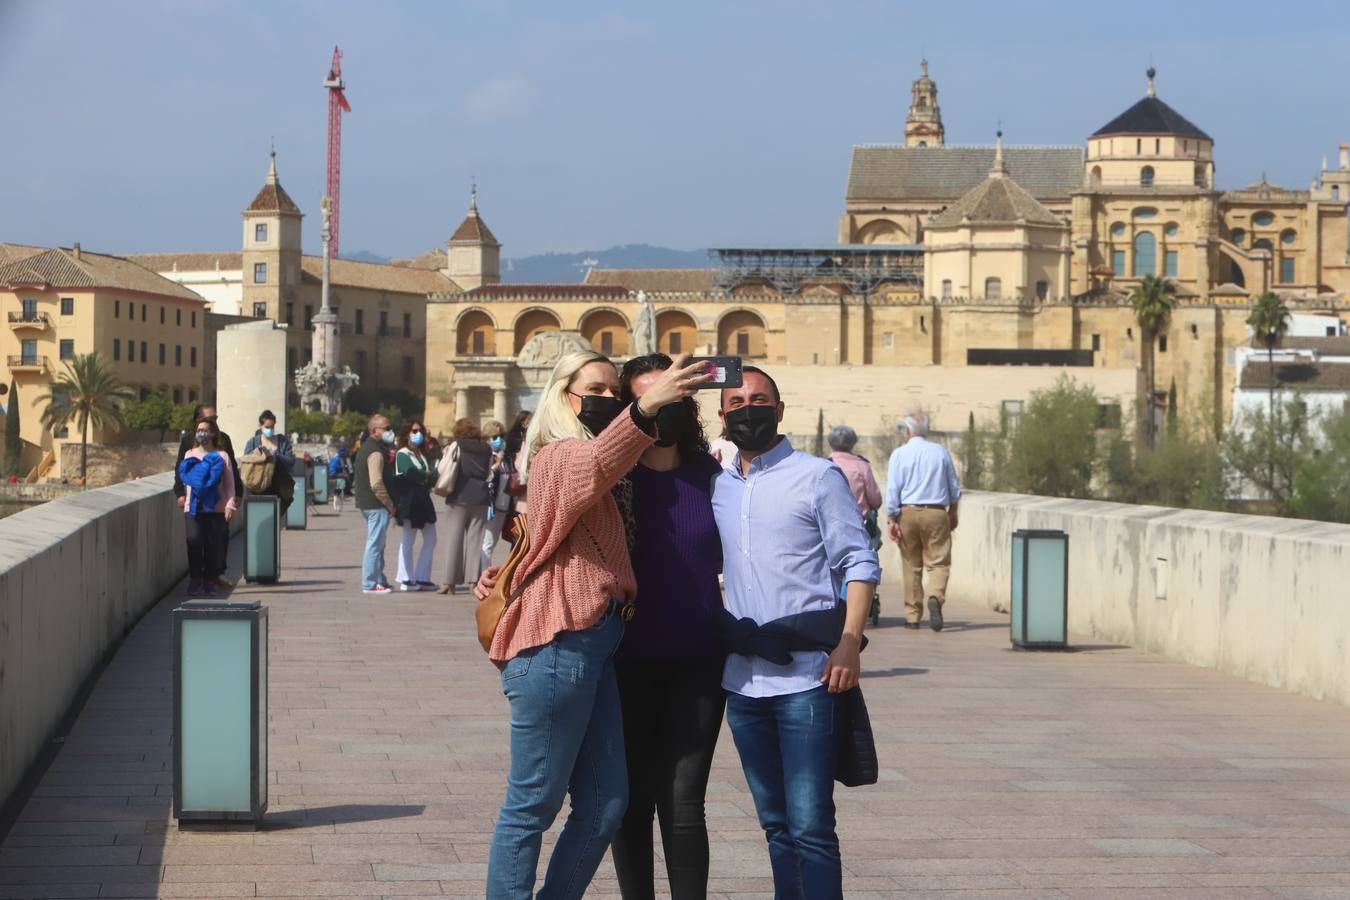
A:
(1098, 773)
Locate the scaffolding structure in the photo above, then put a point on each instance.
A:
(860, 267)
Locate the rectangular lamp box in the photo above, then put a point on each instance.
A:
(262, 538)
(320, 478)
(297, 514)
(220, 713)
(1040, 590)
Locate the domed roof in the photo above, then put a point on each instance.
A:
(1151, 116)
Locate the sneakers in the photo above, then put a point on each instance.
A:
(194, 587)
(378, 589)
(408, 586)
(934, 614)
(222, 582)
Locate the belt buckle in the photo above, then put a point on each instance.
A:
(626, 611)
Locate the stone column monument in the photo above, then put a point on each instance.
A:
(319, 382)
(644, 327)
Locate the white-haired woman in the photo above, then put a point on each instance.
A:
(555, 644)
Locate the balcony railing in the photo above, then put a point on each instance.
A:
(29, 320)
(27, 361)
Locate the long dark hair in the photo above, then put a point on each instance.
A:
(406, 431)
(695, 442)
(515, 435)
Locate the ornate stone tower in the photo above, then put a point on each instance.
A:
(473, 254)
(319, 383)
(271, 258)
(923, 124)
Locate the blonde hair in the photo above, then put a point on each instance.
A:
(492, 428)
(554, 419)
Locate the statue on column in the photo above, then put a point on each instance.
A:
(320, 385)
(644, 327)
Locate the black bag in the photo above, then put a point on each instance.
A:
(855, 749)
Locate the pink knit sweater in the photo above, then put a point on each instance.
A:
(578, 557)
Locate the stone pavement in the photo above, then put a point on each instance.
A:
(1097, 773)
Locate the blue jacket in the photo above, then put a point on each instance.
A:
(203, 476)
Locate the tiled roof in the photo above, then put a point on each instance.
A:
(61, 269)
(434, 258)
(888, 173)
(377, 276)
(547, 291)
(675, 281)
(1329, 345)
(188, 262)
(1319, 376)
(999, 199)
(12, 252)
(1151, 116)
(473, 228)
(273, 198)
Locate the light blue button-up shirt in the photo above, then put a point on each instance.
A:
(791, 534)
(920, 472)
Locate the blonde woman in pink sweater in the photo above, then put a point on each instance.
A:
(555, 644)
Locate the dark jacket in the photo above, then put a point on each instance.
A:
(185, 442)
(855, 748)
(472, 485)
(365, 495)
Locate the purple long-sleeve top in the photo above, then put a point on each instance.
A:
(677, 556)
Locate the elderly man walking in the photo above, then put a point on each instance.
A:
(922, 494)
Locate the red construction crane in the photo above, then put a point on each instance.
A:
(337, 105)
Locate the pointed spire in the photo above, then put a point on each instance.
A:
(473, 197)
(999, 168)
(923, 66)
(272, 168)
(1151, 73)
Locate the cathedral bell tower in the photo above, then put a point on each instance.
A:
(923, 124)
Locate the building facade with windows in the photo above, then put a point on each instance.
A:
(58, 303)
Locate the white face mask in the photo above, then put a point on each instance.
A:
(388, 437)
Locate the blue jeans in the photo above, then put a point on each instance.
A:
(786, 745)
(372, 563)
(566, 737)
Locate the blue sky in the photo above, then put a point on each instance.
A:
(146, 126)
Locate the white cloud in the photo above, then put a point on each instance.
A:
(499, 98)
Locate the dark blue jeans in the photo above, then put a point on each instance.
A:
(786, 746)
(566, 737)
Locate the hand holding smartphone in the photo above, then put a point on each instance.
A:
(725, 371)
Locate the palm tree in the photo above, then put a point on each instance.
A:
(1153, 301)
(86, 392)
(1269, 320)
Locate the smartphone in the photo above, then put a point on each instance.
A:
(726, 371)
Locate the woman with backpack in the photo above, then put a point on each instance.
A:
(465, 477)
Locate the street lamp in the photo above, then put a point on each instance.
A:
(1040, 590)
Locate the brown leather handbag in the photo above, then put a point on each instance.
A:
(491, 609)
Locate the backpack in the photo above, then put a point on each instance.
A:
(257, 469)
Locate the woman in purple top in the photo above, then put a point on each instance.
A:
(669, 666)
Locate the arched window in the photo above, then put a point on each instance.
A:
(676, 332)
(1335, 192)
(1171, 229)
(606, 331)
(1117, 229)
(532, 323)
(1288, 236)
(1146, 176)
(1263, 244)
(741, 333)
(993, 289)
(1145, 254)
(1096, 174)
(1237, 236)
(475, 334)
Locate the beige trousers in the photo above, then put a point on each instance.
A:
(925, 543)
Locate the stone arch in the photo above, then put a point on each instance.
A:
(676, 332)
(531, 322)
(606, 330)
(882, 231)
(741, 332)
(475, 333)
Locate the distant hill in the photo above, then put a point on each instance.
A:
(570, 268)
(366, 256)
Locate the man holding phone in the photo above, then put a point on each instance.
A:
(788, 523)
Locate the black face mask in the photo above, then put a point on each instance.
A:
(597, 412)
(752, 428)
(674, 423)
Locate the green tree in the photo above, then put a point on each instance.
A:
(1322, 481)
(1054, 447)
(306, 422)
(350, 424)
(181, 420)
(86, 393)
(1266, 451)
(1153, 301)
(13, 443)
(372, 400)
(1118, 469)
(152, 413)
(997, 472)
(972, 457)
(1182, 472)
(1172, 413)
(1269, 321)
(820, 433)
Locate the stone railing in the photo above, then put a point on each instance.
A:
(1258, 597)
(75, 575)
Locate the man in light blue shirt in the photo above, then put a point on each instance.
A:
(922, 495)
(791, 536)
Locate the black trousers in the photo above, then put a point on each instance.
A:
(672, 714)
(206, 537)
